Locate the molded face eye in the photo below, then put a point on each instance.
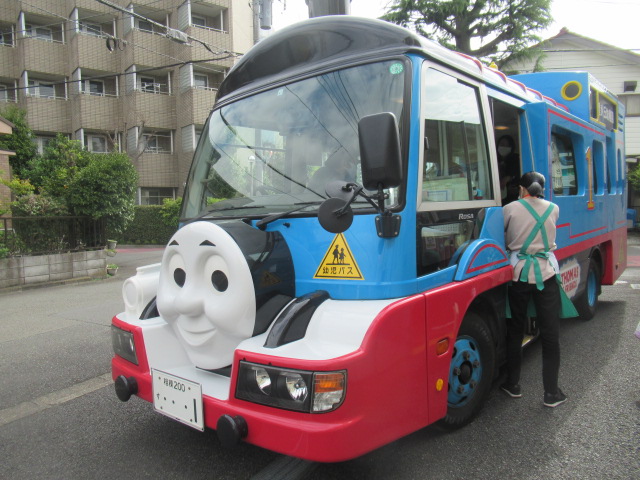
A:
(180, 276)
(219, 280)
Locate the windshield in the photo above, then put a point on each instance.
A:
(277, 150)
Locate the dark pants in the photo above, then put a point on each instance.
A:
(548, 305)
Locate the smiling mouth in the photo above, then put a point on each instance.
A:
(195, 337)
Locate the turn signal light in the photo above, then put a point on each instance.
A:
(442, 346)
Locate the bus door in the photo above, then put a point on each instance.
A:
(456, 176)
(510, 130)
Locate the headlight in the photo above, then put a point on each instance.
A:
(298, 390)
(263, 380)
(296, 386)
(123, 344)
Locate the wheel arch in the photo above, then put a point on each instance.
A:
(491, 306)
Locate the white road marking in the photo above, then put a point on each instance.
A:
(44, 402)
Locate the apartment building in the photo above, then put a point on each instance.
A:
(115, 80)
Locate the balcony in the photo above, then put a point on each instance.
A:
(90, 51)
(47, 114)
(157, 169)
(42, 56)
(159, 109)
(151, 50)
(94, 112)
(218, 41)
(9, 61)
(194, 105)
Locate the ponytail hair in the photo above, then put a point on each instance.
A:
(533, 182)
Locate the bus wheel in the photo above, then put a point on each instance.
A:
(471, 372)
(588, 300)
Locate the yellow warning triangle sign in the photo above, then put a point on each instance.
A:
(339, 263)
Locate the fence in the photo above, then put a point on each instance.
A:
(44, 235)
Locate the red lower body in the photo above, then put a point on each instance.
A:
(396, 380)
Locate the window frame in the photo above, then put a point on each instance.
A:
(89, 28)
(204, 21)
(157, 149)
(159, 195)
(89, 137)
(486, 121)
(559, 132)
(34, 88)
(206, 82)
(32, 32)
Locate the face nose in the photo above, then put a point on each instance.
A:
(188, 302)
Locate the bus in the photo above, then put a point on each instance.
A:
(339, 276)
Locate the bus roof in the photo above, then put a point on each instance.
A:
(321, 41)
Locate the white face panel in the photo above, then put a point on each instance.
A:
(206, 293)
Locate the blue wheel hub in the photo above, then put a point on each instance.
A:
(465, 373)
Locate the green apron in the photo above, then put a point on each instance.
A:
(567, 308)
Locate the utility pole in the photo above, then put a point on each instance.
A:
(320, 8)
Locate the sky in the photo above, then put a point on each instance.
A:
(614, 22)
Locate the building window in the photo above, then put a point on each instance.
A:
(4, 97)
(93, 87)
(144, 25)
(200, 81)
(42, 33)
(96, 143)
(94, 29)
(157, 142)
(41, 142)
(632, 104)
(154, 195)
(6, 38)
(148, 84)
(151, 85)
(41, 89)
(198, 21)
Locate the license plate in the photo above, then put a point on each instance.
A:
(178, 398)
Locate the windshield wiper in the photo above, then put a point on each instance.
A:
(213, 210)
(261, 224)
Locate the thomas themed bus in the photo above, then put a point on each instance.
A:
(339, 276)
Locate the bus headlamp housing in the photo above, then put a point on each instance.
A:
(298, 390)
(123, 344)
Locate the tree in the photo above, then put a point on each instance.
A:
(21, 141)
(634, 177)
(492, 30)
(53, 171)
(105, 188)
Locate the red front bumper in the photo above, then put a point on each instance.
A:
(386, 396)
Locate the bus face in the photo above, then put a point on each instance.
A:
(271, 327)
(278, 151)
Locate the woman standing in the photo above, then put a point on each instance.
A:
(530, 238)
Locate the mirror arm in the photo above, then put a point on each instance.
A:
(387, 224)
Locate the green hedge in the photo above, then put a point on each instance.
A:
(147, 228)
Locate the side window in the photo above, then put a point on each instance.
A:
(563, 165)
(598, 167)
(456, 165)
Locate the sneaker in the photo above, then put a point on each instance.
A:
(513, 391)
(552, 400)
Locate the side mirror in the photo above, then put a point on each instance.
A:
(380, 151)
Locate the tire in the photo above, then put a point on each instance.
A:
(471, 372)
(587, 302)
